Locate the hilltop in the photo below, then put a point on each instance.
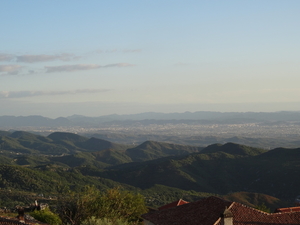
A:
(75, 150)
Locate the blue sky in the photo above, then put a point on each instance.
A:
(60, 58)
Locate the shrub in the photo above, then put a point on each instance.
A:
(113, 205)
(46, 216)
(103, 221)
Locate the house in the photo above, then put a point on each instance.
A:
(21, 219)
(4, 220)
(173, 204)
(7, 221)
(216, 211)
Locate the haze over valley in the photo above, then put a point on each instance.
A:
(265, 130)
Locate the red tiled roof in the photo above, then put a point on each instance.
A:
(204, 212)
(15, 221)
(208, 211)
(6, 221)
(243, 215)
(290, 209)
(173, 204)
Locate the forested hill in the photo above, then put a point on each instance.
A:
(75, 150)
(274, 172)
(38, 164)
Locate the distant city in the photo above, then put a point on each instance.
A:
(266, 130)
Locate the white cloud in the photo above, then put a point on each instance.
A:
(10, 69)
(77, 67)
(6, 57)
(71, 68)
(44, 58)
(119, 51)
(118, 65)
(24, 94)
(37, 58)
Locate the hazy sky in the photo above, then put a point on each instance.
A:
(65, 57)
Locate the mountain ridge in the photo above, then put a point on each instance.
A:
(77, 120)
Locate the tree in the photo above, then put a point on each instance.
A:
(117, 204)
(263, 207)
(74, 207)
(104, 221)
(114, 205)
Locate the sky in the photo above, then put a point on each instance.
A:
(93, 58)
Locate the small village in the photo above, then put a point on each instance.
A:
(207, 211)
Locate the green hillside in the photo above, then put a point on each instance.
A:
(160, 171)
(256, 199)
(153, 150)
(4, 133)
(218, 172)
(48, 179)
(73, 150)
(55, 144)
(27, 143)
(8, 144)
(233, 149)
(111, 157)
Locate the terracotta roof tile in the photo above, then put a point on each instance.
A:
(290, 209)
(15, 221)
(209, 210)
(205, 211)
(243, 215)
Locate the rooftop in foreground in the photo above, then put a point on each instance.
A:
(211, 211)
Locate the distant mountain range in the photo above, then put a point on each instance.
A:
(261, 129)
(201, 117)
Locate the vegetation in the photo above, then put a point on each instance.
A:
(256, 200)
(117, 204)
(263, 207)
(113, 205)
(104, 221)
(74, 150)
(46, 216)
(33, 165)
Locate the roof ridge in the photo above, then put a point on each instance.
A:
(231, 205)
(293, 207)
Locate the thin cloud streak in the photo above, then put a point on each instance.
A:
(70, 68)
(6, 57)
(25, 94)
(119, 51)
(118, 65)
(78, 67)
(36, 58)
(10, 69)
(44, 58)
